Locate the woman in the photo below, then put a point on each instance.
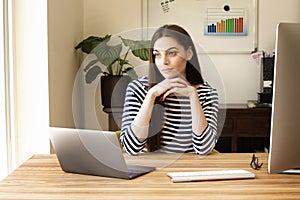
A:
(172, 109)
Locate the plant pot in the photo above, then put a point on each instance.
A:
(113, 89)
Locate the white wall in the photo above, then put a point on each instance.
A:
(30, 77)
(3, 145)
(239, 72)
(240, 76)
(99, 17)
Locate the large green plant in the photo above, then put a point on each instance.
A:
(111, 56)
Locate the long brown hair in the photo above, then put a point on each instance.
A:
(193, 76)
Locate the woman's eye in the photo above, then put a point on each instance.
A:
(156, 54)
(172, 53)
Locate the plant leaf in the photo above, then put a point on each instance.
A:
(92, 74)
(139, 48)
(131, 72)
(142, 53)
(90, 64)
(107, 54)
(88, 44)
(123, 62)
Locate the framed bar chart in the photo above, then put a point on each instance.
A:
(226, 22)
(218, 26)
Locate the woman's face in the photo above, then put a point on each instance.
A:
(171, 57)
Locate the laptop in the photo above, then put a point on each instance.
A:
(92, 152)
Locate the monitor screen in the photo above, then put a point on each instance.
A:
(285, 121)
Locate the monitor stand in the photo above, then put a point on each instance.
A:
(291, 171)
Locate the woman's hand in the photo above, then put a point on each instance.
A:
(179, 87)
(174, 86)
(160, 88)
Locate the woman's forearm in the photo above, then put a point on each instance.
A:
(199, 122)
(140, 124)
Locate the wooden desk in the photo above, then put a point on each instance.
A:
(41, 178)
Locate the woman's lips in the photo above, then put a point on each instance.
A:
(166, 70)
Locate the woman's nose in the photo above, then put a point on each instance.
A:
(165, 59)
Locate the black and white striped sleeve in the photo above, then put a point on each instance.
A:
(135, 95)
(205, 143)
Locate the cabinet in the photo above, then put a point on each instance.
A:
(245, 129)
(114, 118)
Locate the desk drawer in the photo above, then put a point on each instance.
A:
(227, 128)
(253, 126)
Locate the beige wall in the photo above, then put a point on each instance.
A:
(103, 17)
(72, 20)
(270, 13)
(113, 16)
(65, 29)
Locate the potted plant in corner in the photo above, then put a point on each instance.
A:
(113, 64)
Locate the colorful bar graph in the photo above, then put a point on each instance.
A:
(221, 23)
(232, 25)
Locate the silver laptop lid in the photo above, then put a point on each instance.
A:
(89, 152)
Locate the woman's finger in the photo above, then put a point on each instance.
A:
(180, 82)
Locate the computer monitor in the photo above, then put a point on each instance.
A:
(284, 151)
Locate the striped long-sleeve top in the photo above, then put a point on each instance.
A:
(176, 134)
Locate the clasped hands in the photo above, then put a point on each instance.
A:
(174, 86)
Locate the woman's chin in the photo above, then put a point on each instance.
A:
(170, 75)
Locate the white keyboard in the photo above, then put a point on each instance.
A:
(210, 175)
